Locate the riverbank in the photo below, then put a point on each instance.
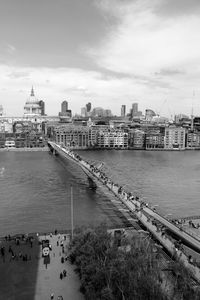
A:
(35, 149)
(26, 274)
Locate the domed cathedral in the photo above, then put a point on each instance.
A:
(33, 106)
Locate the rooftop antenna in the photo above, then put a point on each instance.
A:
(32, 92)
(192, 113)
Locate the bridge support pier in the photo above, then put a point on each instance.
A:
(55, 152)
(92, 184)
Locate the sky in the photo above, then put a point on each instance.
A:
(107, 52)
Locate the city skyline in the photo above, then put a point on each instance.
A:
(110, 53)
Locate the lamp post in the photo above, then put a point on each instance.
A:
(72, 214)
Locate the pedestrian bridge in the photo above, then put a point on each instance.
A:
(156, 224)
(75, 158)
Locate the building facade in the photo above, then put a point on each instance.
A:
(136, 139)
(75, 137)
(174, 138)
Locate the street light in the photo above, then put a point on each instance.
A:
(72, 214)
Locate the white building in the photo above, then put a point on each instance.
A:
(174, 138)
(113, 139)
(32, 106)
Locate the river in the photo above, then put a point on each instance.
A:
(35, 187)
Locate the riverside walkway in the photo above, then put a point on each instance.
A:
(154, 223)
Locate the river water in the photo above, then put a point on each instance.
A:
(35, 187)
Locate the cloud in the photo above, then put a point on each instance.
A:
(18, 74)
(144, 43)
(175, 8)
(148, 54)
(169, 72)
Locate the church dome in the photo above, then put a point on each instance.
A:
(32, 106)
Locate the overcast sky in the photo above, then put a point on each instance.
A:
(108, 52)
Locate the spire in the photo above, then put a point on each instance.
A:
(32, 92)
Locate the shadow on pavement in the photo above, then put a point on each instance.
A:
(19, 259)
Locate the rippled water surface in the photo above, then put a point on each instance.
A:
(168, 179)
(35, 187)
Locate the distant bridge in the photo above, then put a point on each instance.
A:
(155, 223)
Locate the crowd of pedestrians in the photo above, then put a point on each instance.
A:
(13, 248)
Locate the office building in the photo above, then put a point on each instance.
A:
(64, 107)
(1, 110)
(134, 109)
(42, 106)
(65, 114)
(123, 111)
(149, 114)
(88, 107)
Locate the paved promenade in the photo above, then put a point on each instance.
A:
(48, 279)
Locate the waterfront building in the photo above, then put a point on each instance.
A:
(192, 140)
(2, 139)
(93, 136)
(136, 139)
(26, 131)
(8, 128)
(154, 141)
(23, 134)
(76, 137)
(32, 106)
(174, 138)
(9, 144)
(123, 111)
(196, 123)
(112, 139)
